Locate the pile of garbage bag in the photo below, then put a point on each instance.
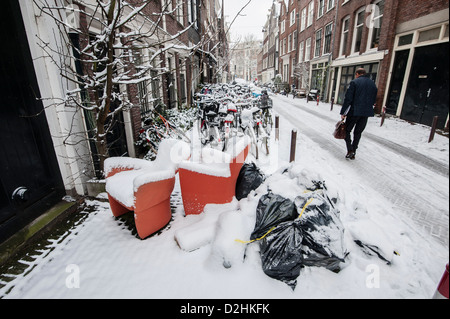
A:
(293, 234)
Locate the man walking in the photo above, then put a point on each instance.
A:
(357, 108)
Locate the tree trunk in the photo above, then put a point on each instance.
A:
(101, 140)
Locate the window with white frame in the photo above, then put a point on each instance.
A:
(180, 12)
(357, 31)
(318, 43)
(283, 26)
(293, 16)
(301, 51)
(303, 20)
(290, 43)
(327, 38)
(193, 13)
(344, 36)
(308, 49)
(189, 3)
(286, 72)
(294, 63)
(310, 13)
(330, 5)
(321, 8)
(376, 20)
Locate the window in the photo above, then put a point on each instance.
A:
(155, 87)
(294, 63)
(428, 35)
(142, 85)
(321, 8)
(357, 33)
(301, 51)
(344, 36)
(348, 74)
(193, 13)
(303, 21)
(290, 43)
(180, 12)
(189, 3)
(318, 43)
(328, 33)
(283, 26)
(308, 49)
(293, 16)
(376, 20)
(286, 72)
(330, 5)
(310, 13)
(405, 40)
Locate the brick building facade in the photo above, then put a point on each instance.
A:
(270, 62)
(288, 37)
(315, 43)
(390, 39)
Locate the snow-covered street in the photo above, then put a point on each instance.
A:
(395, 195)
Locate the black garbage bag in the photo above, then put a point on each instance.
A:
(323, 232)
(250, 178)
(292, 235)
(281, 256)
(272, 210)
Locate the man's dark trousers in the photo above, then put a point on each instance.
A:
(359, 124)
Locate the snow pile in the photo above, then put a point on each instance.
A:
(229, 229)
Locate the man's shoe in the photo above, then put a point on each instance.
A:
(350, 155)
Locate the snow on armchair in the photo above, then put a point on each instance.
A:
(145, 187)
(212, 179)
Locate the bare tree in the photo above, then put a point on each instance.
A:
(96, 64)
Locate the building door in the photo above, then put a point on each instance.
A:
(30, 180)
(398, 75)
(428, 85)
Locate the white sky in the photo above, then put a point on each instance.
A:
(253, 21)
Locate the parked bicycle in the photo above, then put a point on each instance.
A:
(225, 111)
(209, 123)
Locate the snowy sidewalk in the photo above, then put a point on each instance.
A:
(386, 198)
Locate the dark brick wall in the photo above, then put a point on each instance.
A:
(412, 9)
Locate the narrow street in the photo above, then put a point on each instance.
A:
(387, 197)
(415, 185)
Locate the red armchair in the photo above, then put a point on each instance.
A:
(211, 180)
(145, 187)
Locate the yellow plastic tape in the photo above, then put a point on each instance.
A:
(270, 230)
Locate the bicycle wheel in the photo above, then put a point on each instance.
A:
(268, 121)
(204, 132)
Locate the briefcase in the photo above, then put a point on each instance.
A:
(340, 132)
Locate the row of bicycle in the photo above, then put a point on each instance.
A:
(229, 111)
